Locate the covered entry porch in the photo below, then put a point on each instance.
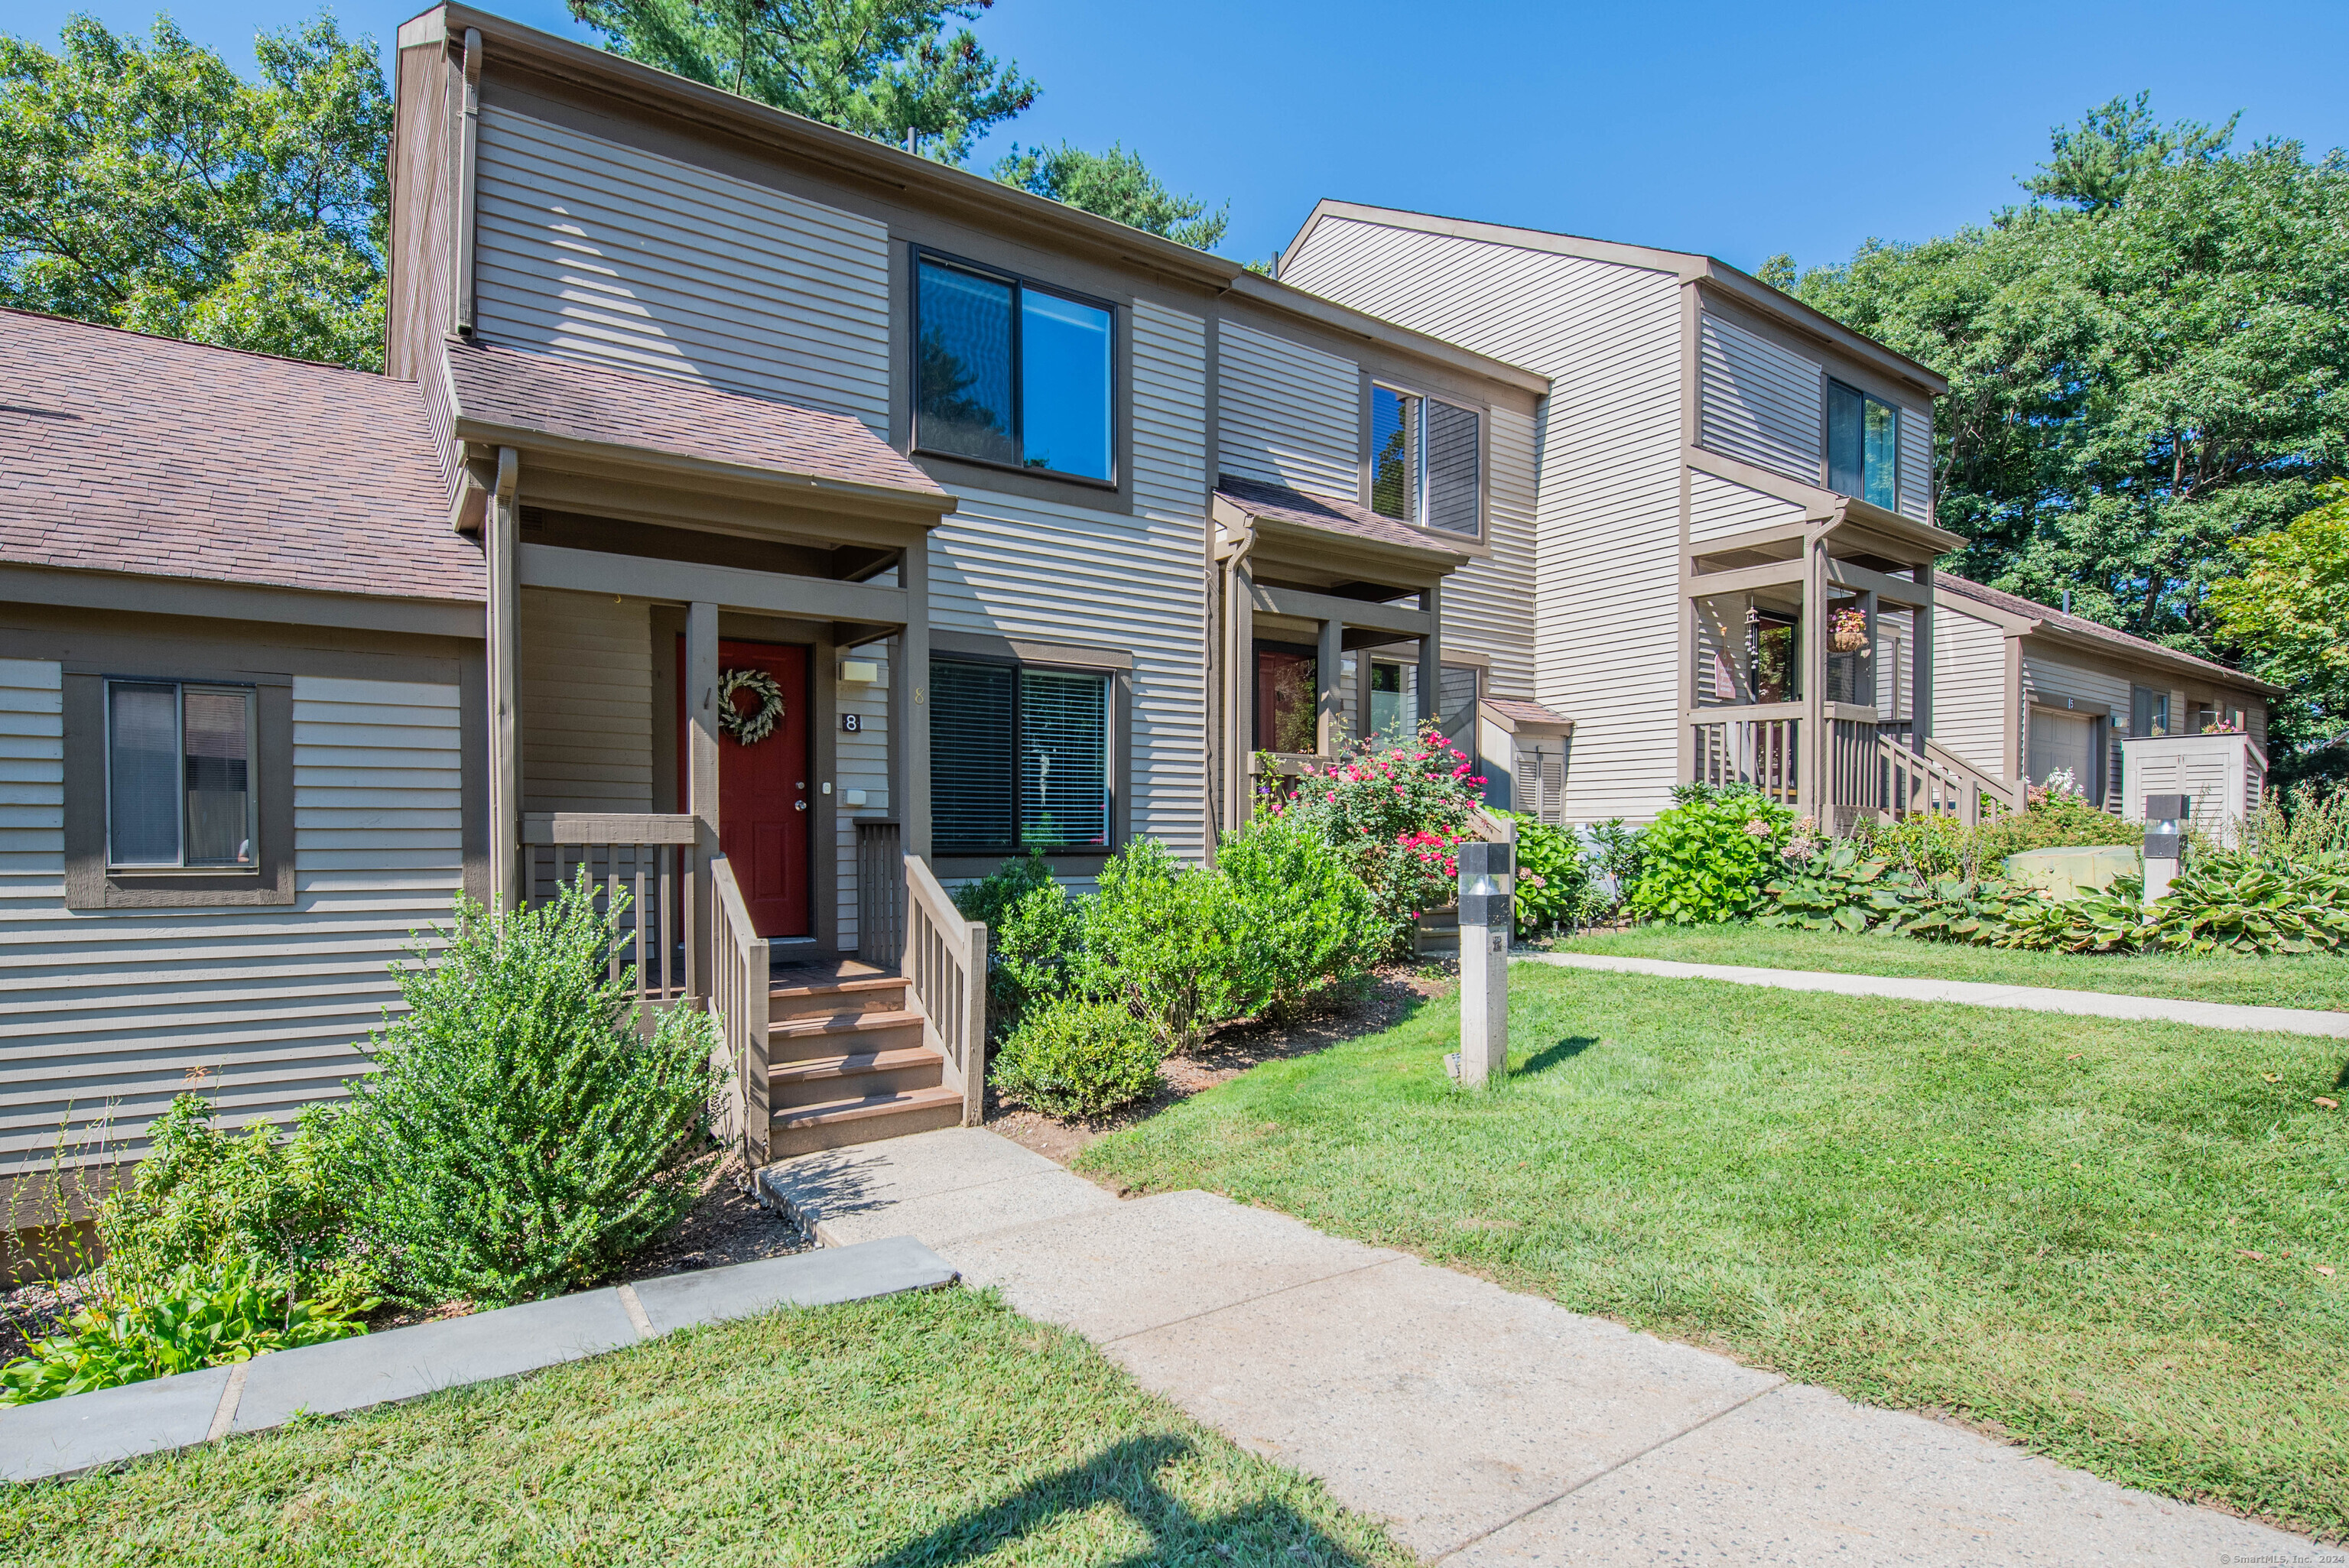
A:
(1809, 674)
(1329, 630)
(704, 611)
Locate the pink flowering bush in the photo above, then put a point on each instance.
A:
(1394, 810)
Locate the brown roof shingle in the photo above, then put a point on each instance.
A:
(121, 452)
(514, 390)
(1525, 712)
(1273, 502)
(2120, 642)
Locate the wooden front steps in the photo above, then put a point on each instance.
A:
(846, 1061)
(1436, 933)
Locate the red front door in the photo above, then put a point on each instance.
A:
(766, 803)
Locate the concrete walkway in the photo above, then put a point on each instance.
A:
(1485, 1427)
(1975, 993)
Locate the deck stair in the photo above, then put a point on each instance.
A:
(847, 1061)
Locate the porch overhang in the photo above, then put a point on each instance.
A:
(1856, 524)
(1330, 543)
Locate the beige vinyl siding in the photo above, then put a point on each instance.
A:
(1170, 492)
(1488, 603)
(1170, 410)
(1718, 508)
(1288, 413)
(1916, 461)
(1606, 566)
(1008, 566)
(1758, 402)
(586, 696)
(1896, 662)
(109, 1014)
(860, 762)
(2050, 678)
(1972, 710)
(607, 252)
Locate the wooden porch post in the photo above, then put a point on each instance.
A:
(700, 779)
(1814, 750)
(1239, 617)
(1431, 654)
(1327, 661)
(1921, 668)
(504, 610)
(909, 707)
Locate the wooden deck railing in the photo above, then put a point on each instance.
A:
(1762, 751)
(651, 856)
(738, 988)
(1853, 776)
(880, 892)
(946, 967)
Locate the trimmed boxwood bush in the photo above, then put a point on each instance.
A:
(1074, 1057)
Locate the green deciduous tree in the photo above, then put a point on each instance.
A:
(882, 68)
(1117, 184)
(146, 186)
(2289, 609)
(2145, 360)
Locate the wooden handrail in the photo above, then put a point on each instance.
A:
(2010, 793)
(739, 990)
(654, 859)
(945, 970)
(576, 827)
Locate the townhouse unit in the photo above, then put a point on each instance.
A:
(775, 525)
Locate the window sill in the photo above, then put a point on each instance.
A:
(1082, 482)
(178, 887)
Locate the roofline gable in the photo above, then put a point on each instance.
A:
(1685, 265)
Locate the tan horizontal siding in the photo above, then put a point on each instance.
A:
(107, 1015)
(607, 252)
(1758, 402)
(1973, 711)
(585, 688)
(1009, 566)
(1288, 413)
(1718, 508)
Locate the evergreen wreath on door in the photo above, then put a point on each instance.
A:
(751, 728)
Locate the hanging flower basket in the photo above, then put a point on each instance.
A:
(1848, 630)
(749, 727)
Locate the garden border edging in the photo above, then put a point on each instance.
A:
(65, 1436)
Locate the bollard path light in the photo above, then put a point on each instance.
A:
(1487, 913)
(2165, 820)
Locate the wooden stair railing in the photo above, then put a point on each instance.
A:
(649, 854)
(739, 982)
(1939, 782)
(946, 966)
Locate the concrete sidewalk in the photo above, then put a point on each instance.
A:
(1974, 994)
(1485, 1427)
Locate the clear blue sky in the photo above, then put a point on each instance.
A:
(1735, 129)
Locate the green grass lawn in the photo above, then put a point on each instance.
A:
(2044, 1222)
(925, 1429)
(2310, 981)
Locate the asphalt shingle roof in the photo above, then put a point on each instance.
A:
(1280, 504)
(121, 452)
(1525, 712)
(2094, 631)
(576, 401)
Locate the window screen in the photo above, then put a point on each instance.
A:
(1863, 446)
(1452, 460)
(2149, 711)
(1018, 758)
(1394, 454)
(1065, 370)
(179, 768)
(1459, 702)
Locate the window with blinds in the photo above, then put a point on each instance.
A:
(1018, 758)
(1426, 462)
(179, 775)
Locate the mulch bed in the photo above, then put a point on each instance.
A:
(1380, 1000)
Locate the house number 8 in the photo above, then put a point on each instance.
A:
(851, 722)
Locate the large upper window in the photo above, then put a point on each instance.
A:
(1011, 374)
(1425, 457)
(1018, 758)
(179, 775)
(1863, 446)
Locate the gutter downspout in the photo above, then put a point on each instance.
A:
(498, 530)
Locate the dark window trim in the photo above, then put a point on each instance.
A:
(92, 883)
(252, 768)
(1016, 281)
(1116, 696)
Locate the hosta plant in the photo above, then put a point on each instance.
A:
(1836, 886)
(2234, 903)
(199, 1317)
